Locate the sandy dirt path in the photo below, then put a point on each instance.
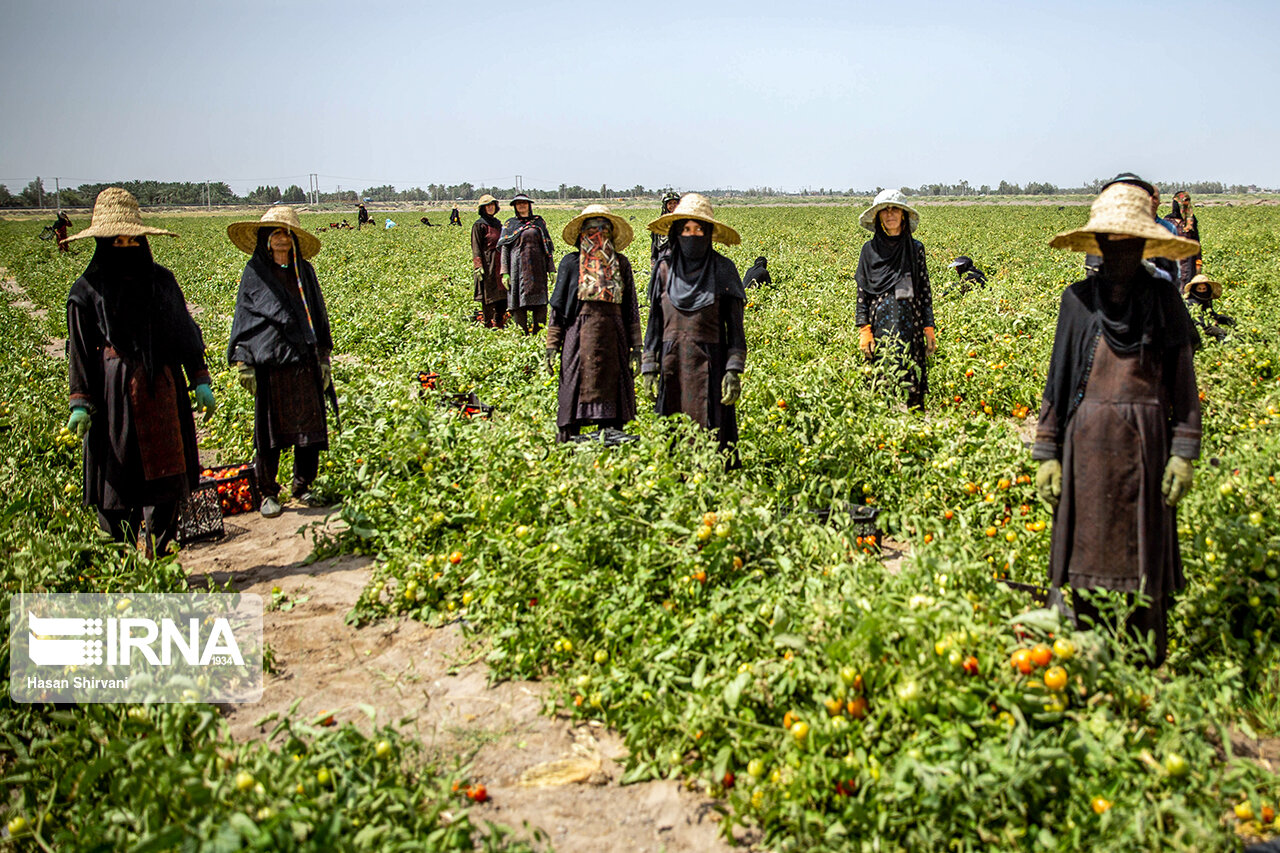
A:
(424, 680)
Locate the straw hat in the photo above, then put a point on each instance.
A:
(1125, 210)
(695, 206)
(485, 201)
(116, 214)
(245, 234)
(521, 197)
(622, 234)
(1215, 287)
(888, 198)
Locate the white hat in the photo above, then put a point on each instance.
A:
(888, 198)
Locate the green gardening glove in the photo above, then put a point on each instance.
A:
(1177, 480)
(204, 399)
(248, 377)
(635, 361)
(79, 421)
(1049, 482)
(551, 358)
(731, 388)
(651, 385)
(326, 377)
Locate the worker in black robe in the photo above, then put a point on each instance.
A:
(970, 276)
(281, 344)
(1119, 425)
(131, 341)
(527, 258)
(1187, 224)
(695, 347)
(486, 263)
(362, 216)
(60, 226)
(658, 242)
(1200, 292)
(455, 218)
(758, 274)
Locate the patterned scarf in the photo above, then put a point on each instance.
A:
(598, 278)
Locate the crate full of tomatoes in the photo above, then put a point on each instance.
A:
(236, 485)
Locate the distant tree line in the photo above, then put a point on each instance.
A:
(165, 193)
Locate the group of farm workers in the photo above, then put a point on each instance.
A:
(1119, 425)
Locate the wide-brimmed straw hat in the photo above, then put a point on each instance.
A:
(888, 198)
(485, 201)
(622, 234)
(1215, 287)
(695, 206)
(245, 234)
(1125, 210)
(116, 214)
(521, 197)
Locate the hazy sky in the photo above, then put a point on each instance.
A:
(785, 94)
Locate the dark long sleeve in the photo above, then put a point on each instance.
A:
(862, 310)
(1046, 446)
(735, 335)
(652, 358)
(84, 363)
(631, 306)
(924, 292)
(477, 240)
(1184, 398)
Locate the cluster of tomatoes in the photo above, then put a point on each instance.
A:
(1040, 656)
(476, 793)
(235, 491)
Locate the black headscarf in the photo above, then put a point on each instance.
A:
(1152, 317)
(489, 219)
(140, 308)
(886, 260)
(697, 273)
(692, 284)
(270, 325)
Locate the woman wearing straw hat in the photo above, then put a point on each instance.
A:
(594, 333)
(486, 261)
(895, 304)
(658, 242)
(281, 344)
(527, 259)
(130, 340)
(1120, 420)
(1200, 292)
(695, 347)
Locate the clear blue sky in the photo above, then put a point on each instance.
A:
(786, 94)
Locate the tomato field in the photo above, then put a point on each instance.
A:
(739, 631)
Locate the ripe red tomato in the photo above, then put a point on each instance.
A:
(970, 665)
(477, 793)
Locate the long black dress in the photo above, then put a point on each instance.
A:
(130, 341)
(281, 328)
(898, 323)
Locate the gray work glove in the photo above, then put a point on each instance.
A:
(326, 376)
(635, 361)
(551, 359)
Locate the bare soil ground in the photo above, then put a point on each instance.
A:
(427, 681)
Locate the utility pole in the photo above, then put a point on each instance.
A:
(40, 192)
(208, 197)
(314, 193)
(519, 184)
(57, 191)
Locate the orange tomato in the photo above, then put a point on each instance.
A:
(1055, 678)
(1041, 654)
(455, 557)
